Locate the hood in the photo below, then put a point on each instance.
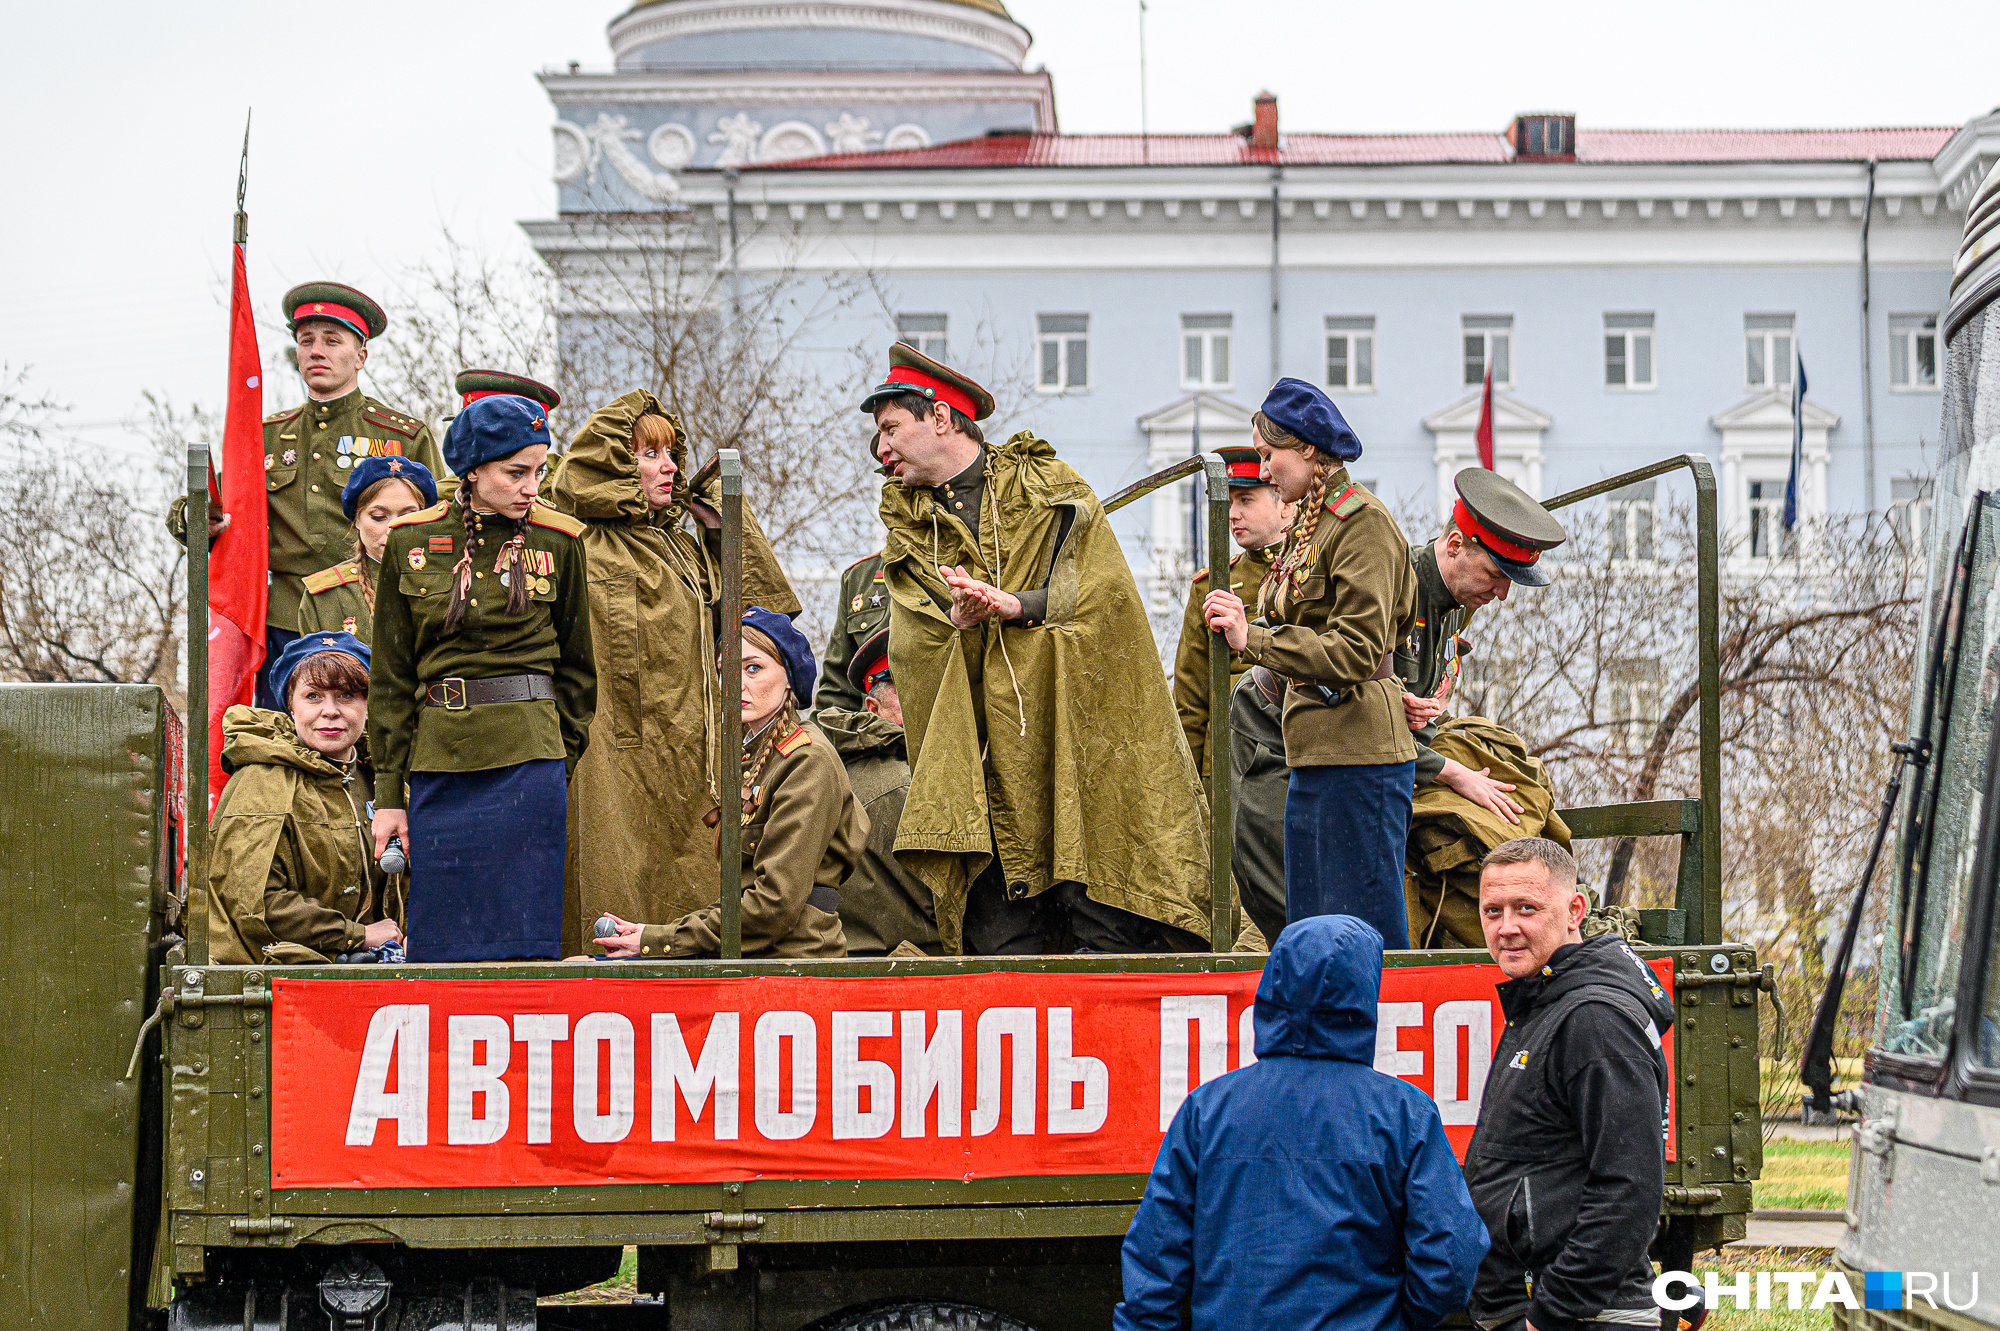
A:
(858, 734)
(252, 736)
(1605, 960)
(598, 479)
(1317, 998)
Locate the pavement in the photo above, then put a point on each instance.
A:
(1826, 1229)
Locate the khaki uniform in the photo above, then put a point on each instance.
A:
(1247, 571)
(1360, 561)
(1430, 659)
(863, 608)
(801, 846)
(291, 872)
(334, 601)
(882, 907)
(411, 648)
(307, 453)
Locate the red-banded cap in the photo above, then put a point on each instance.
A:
(911, 371)
(1506, 522)
(336, 303)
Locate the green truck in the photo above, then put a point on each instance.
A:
(858, 1144)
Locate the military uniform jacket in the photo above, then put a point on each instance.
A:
(1430, 659)
(411, 648)
(1247, 570)
(334, 602)
(1338, 614)
(863, 608)
(801, 845)
(291, 870)
(883, 906)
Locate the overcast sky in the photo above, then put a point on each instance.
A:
(378, 123)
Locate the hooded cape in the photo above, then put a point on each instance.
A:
(1086, 775)
(637, 846)
(292, 876)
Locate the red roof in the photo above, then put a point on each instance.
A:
(1593, 146)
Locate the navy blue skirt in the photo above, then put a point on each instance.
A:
(486, 862)
(1346, 829)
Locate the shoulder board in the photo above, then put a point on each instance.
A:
(1347, 503)
(1235, 557)
(541, 515)
(329, 578)
(431, 514)
(280, 417)
(376, 414)
(793, 742)
(1199, 575)
(859, 562)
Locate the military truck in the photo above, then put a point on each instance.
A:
(856, 1144)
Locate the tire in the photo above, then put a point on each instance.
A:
(922, 1316)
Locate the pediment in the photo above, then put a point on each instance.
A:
(1772, 410)
(1177, 417)
(1509, 413)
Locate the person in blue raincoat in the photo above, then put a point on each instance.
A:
(1307, 1187)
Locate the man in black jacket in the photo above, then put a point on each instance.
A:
(1567, 1163)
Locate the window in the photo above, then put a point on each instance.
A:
(1488, 338)
(1913, 352)
(1629, 514)
(1628, 352)
(1910, 512)
(1634, 700)
(1350, 352)
(925, 332)
(1767, 350)
(1205, 350)
(1065, 352)
(1768, 537)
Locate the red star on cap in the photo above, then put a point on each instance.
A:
(395, 464)
(326, 642)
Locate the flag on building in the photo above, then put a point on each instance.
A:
(1798, 437)
(239, 565)
(1484, 434)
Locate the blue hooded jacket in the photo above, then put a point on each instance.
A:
(1307, 1190)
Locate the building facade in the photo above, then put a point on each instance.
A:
(1636, 293)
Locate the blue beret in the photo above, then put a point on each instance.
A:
(1301, 410)
(311, 644)
(373, 469)
(493, 427)
(800, 670)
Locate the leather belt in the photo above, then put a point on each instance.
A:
(1386, 669)
(455, 694)
(1268, 680)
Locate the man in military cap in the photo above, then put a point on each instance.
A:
(1493, 542)
(885, 908)
(471, 385)
(1012, 619)
(309, 450)
(1258, 519)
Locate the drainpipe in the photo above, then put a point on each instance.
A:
(1277, 174)
(729, 179)
(1867, 354)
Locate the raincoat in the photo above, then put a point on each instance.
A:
(882, 907)
(292, 877)
(1306, 1190)
(637, 846)
(1057, 744)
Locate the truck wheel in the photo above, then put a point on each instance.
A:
(921, 1317)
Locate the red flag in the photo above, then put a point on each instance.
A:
(1484, 434)
(239, 565)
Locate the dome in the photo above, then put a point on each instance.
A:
(818, 34)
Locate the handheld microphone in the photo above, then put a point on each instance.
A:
(393, 859)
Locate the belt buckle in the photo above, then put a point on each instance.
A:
(454, 694)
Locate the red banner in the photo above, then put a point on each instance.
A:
(239, 569)
(494, 1083)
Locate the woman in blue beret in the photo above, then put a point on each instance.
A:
(378, 491)
(485, 689)
(290, 879)
(803, 831)
(1342, 596)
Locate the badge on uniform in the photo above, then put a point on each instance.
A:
(416, 558)
(542, 562)
(856, 605)
(291, 456)
(347, 624)
(269, 462)
(440, 545)
(878, 575)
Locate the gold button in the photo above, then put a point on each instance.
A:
(322, 425)
(958, 505)
(315, 489)
(648, 949)
(475, 600)
(479, 575)
(315, 457)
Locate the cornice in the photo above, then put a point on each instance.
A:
(939, 20)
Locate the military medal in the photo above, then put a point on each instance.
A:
(291, 456)
(347, 624)
(416, 558)
(856, 605)
(269, 462)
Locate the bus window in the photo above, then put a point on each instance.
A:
(1942, 835)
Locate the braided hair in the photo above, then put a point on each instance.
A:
(1298, 553)
(509, 563)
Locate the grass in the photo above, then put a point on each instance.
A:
(619, 1289)
(1803, 1175)
(1727, 1317)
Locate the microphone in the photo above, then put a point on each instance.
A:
(393, 859)
(606, 927)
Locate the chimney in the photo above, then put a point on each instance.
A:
(1264, 124)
